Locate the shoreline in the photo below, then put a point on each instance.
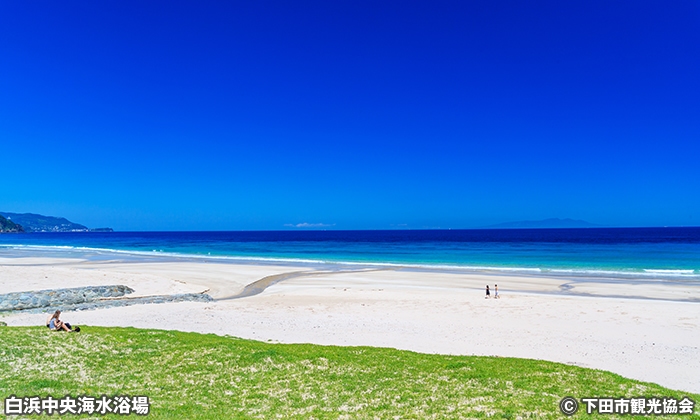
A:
(427, 311)
(681, 276)
(681, 289)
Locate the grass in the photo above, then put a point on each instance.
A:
(193, 376)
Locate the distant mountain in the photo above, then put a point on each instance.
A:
(7, 226)
(38, 223)
(544, 224)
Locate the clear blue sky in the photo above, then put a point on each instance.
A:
(173, 115)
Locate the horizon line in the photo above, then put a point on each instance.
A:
(397, 229)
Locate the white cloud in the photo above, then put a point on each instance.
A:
(309, 225)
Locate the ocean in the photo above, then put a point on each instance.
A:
(667, 254)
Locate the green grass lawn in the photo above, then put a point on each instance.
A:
(191, 376)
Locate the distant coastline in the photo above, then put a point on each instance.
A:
(30, 223)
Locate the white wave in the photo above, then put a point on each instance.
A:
(654, 271)
(158, 253)
(623, 273)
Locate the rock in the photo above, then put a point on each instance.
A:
(86, 298)
(59, 297)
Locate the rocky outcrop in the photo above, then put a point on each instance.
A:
(84, 298)
(57, 297)
(8, 226)
(111, 303)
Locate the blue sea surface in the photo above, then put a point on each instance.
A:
(644, 253)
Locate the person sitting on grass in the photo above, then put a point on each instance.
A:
(57, 325)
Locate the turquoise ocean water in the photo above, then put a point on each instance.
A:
(665, 254)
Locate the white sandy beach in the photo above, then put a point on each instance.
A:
(653, 340)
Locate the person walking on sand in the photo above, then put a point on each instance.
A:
(488, 292)
(57, 325)
(495, 292)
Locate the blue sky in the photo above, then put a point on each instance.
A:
(350, 115)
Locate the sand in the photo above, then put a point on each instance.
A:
(608, 325)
